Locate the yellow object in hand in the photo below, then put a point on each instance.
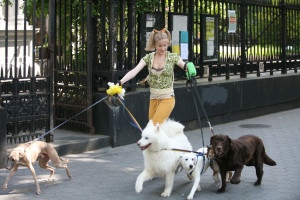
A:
(114, 90)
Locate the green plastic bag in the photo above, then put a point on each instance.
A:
(191, 70)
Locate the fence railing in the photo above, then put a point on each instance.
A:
(24, 75)
(86, 44)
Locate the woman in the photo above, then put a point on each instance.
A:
(161, 75)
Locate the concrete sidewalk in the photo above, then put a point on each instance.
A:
(110, 173)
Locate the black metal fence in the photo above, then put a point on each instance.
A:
(83, 44)
(24, 77)
(72, 77)
(266, 37)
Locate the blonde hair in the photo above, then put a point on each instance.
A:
(156, 36)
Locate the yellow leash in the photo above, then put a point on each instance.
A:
(117, 90)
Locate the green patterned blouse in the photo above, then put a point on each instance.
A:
(161, 79)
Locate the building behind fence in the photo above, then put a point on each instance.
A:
(57, 54)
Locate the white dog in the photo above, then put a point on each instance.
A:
(195, 165)
(157, 160)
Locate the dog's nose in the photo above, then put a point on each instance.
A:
(191, 166)
(138, 144)
(219, 148)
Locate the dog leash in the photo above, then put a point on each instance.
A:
(111, 91)
(193, 83)
(69, 119)
(115, 89)
(182, 150)
(135, 123)
(197, 110)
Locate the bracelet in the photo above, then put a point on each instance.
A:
(120, 83)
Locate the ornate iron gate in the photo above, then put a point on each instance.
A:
(24, 77)
(71, 81)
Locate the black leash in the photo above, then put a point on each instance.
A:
(192, 81)
(201, 103)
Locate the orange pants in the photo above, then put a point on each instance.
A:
(160, 109)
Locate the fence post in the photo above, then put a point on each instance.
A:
(131, 38)
(131, 34)
(52, 64)
(3, 140)
(90, 62)
(243, 46)
(103, 59)
(191, 30)
(113, 35)
(283, 41)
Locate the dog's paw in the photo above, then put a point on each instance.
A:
(198, 188)
(165, 194)
(189, 176)
(4, 187)
(190, 197)
(216, 179)
(220, 190)
(235, 181)
(38, 192)
(257, 183)
(138, 189)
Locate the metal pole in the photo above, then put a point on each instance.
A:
(131, 34)
(131, 39)
(3, 139)
(191, 30)
(52, 64)
(243, 40)
(103, 56)
(283, 41)
(90, 58)
(113, 35)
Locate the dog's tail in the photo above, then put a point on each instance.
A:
(268, 160)
(64, 159)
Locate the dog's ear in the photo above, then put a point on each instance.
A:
(150, 123)
(228, 139)
(157, 127)
(212, 139)
(21, 155)
(179, 165)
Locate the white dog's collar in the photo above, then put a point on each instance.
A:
(199, 154)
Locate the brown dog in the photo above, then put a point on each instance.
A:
(214, 166)
(232, 155)
(27, 154)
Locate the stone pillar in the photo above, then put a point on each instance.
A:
(3, 141)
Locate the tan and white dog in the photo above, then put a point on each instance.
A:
(157, 160)
(28, 153)
(196, 164)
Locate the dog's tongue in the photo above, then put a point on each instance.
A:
(145, 147)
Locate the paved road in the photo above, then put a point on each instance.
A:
(110, 173)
